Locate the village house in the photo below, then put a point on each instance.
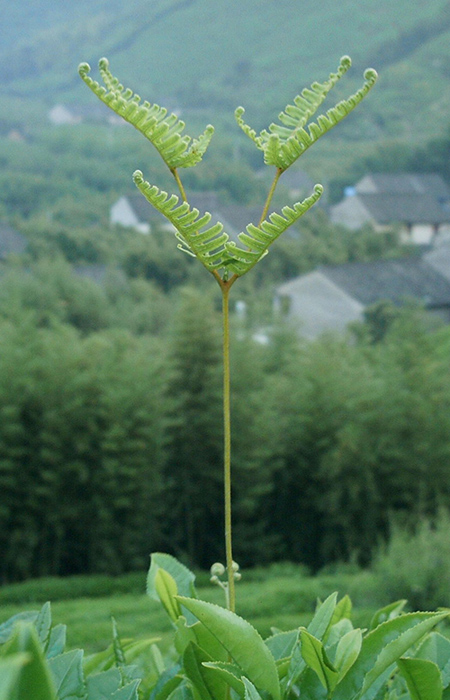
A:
(331, 297)
(418, 203)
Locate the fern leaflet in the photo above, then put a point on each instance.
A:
(283, 143)
(206, 244)
(163, 130)
(258, 238)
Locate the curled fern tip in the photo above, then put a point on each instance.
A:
(318, 189)
(103, 63)
(346, 62)
(84, 69)
(138, 176)
(370, 75)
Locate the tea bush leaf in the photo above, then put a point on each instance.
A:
(43, 624)
(229, 674)
(10, 669)
(380, 650)
(281, 645)
(422, 678)
(436, 648)
(347, 652)
(35, 679)
(387, 613)
(250, 691)
(168, 681)
(343, 610)
(57, 641)
(67, 670)
(167, 591)
(323, 617)
(193, 659)
(6, 628)
(315, 656)
(242, 642)
(183, 577)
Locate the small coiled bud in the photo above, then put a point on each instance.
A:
(217, 569)
(235, 567)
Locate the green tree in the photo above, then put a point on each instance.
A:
(193, 511)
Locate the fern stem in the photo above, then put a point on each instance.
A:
(270, 195)
(227, 444)
(174, 172)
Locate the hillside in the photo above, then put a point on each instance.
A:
(207, 56)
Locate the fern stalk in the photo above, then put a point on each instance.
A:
(265, 211)
(231, 596)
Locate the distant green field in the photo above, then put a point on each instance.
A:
(197, 54)
(284, 601)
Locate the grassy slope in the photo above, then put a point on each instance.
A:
(285, 601)
(258, 52)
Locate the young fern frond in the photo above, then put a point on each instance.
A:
(258, 238)
(163, 130)
(206, 244)
(283, 144)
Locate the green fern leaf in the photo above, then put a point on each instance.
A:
(283, 143)
(164, 131)
(258, 238)
(206, 244)
(251, 133)
(307, 104)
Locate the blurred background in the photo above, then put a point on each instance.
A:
(110, 364)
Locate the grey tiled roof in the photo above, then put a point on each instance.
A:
(408, 183)
(405, 208)
(396, 280)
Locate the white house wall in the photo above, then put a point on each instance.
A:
(316, 305)
(121, 213)
(350, 213)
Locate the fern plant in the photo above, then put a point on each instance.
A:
(282, 144)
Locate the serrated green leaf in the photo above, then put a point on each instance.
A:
(167, 682)
(10, 670)
(323, 617)
(337, 631)
(193, 659)
(343, 610)
(117, 645)
(57, 641)
(6, 628)
(67, 671)
(104, 660)
(102, 686)
(281, 645)
(167, 590)
(436, 648)
(380, 650)
(242, 642)
(128, 692)
(316, 658)
(387, 613)
(228, 673)
(35, 679)
(183, 577)
(43, 624)
(347, 652)
(207, 641)
(422, 677)
(250, 691)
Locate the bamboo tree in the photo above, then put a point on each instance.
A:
(281, 144)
